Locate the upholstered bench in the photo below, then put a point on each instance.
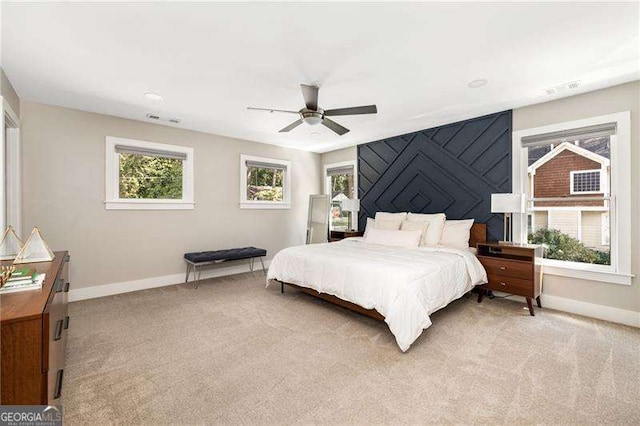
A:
(197, 260)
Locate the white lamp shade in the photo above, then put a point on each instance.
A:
(340, 197)
(507, 203)
(350, 205)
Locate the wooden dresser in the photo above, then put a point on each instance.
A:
(33, 330)
(512, 268)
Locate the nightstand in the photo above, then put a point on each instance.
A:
(512, 268)
(339, 235)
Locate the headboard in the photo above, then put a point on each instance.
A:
(452, 169)
(478, 234)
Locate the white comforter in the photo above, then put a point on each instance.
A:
(404, 285)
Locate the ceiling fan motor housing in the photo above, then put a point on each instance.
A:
(312, 117)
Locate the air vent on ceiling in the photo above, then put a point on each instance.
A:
(563, 87)
(152, 116)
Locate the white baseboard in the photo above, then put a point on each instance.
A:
(153, 282)
(607, 313)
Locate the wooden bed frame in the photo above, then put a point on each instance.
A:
(478, 235)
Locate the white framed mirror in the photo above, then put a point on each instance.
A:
(318, 221)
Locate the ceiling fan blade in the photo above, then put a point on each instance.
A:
(335, 126)
(272, 110)
(367, 109)
(310, 95)
(291, 126)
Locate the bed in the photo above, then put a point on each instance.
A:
(401, 286)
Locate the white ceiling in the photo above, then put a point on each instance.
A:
(211, 61)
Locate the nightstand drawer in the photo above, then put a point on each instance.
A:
(507, 268)
(510, 285)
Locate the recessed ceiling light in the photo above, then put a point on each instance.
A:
(477, 83)
(152, 96)
(315, 133)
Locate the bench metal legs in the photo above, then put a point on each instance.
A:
(197, 269)
(196, 273)
(186, 279)
(251, 263)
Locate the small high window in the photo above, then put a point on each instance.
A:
(264, 183)
(147, 175)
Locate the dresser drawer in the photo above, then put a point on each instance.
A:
(507, 268)
(510, 285)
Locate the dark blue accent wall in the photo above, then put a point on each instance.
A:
(452, 169)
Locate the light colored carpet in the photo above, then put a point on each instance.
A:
(234, 352)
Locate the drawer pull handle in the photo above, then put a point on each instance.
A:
(58, 335)
(66, 287)
(503, 268)
(59, 285)
(503, 283)
(66, 322)
(58, 390)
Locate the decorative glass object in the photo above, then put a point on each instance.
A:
(10, 244)
(35, 249)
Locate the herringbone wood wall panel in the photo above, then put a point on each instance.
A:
(452, 169)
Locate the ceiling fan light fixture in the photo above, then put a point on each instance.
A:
(312, 117)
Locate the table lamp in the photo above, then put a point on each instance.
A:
(351, 205)
(507, 204)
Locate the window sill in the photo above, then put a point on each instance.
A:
(148, 205)
(578, 272)
(264, 205)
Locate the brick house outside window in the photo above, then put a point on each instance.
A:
(575, 174)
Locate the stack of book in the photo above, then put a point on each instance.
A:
(23, 279)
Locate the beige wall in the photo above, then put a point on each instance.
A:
(7, 92)
(339, 155)
(64, 194)
(625, 97)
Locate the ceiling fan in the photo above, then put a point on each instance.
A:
(313, 115)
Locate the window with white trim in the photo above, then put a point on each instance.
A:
(585, 182)
(265, 183)
(143, 175)
(605, 235)
(595, 243)
(340, 184)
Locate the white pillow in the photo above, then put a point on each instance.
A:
(415, 226)
(371, 224)
(393, 238)
(389, 225)
(434, 231)
(391, 216)
(456, 233)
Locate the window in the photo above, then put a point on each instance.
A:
(605, 235)
(264, 183)
(11, 209)
(340, 184)
(585, 182)
(147, 175)
(575, 176)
